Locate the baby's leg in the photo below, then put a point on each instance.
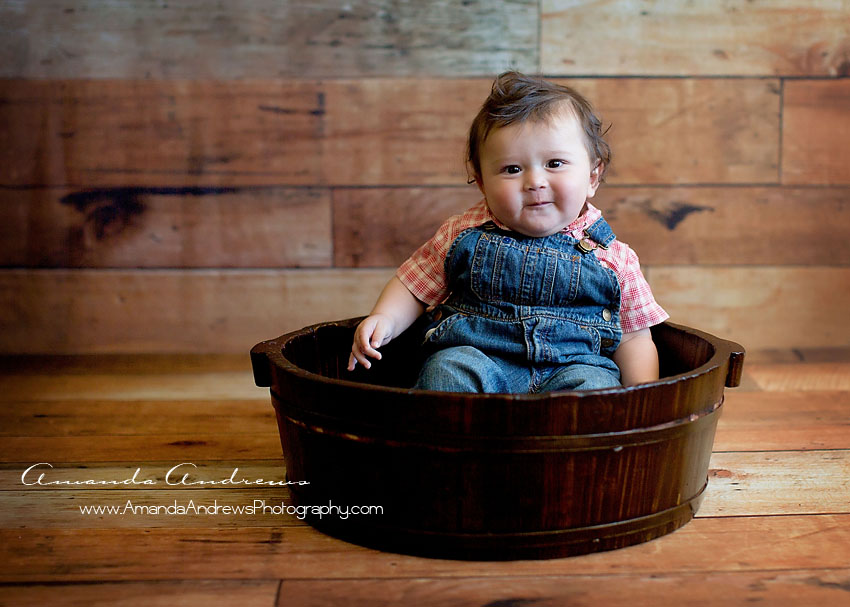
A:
(580, 377)
(467, 369)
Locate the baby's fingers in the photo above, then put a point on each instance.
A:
(361, 348)
(366, 346)
(357, 356)
(380, 336)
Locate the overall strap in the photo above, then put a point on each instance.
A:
(599, 233)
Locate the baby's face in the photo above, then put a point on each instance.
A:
(536, 176)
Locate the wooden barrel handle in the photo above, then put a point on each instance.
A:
(736, 367)
(260, 363)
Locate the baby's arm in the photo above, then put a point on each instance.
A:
(637, 357)
(394, 312)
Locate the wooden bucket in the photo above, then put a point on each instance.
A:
(492, 476)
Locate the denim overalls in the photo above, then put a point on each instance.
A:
(525, 314)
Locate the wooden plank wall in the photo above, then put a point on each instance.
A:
(196, 177)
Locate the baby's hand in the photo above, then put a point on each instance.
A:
(375, 331)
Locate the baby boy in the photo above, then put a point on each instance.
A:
(531, 290)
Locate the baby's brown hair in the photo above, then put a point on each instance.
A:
(516, 97)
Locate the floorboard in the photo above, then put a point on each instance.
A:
(78, 433)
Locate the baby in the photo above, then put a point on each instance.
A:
(533, 292)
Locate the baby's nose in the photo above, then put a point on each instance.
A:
(535, 180)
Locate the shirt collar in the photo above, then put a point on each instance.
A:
(583, 221)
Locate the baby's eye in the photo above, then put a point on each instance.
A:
(555, 164)
(511, 169)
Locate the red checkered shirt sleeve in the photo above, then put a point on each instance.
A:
(638, 308)
(424, 272)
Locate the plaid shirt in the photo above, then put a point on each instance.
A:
(425, 276)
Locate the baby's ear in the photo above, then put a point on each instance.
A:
(473, 177)
(595, 178)
(597, 173)
(598, 170)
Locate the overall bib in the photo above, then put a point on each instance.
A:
(525, 314)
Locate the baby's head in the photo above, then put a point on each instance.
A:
(517, 98)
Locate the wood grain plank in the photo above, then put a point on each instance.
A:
(166, 387)
(212, 593)
(748, 384)
(813, 377)
(95, 133)
(387, 130)
(788, 37)
(679, 225)
(815, 130)
(776, 421)
(169, 448)
(759, 306)
(784, 482)
(730, 225)
(123, 364)
(322, 38)
(799, 588)
(801, 355)
(127, 227)
(784, 589)
(63, 311)
(728, 544)
(88, 311)
(668, 131)
(216, 134)
(377, 227)
(679, 131)
(135, 417)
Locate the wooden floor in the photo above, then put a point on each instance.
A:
(774, 527)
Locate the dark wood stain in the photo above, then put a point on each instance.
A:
(110, 210)
(675, 214)
(816, 581)
(276, 109)
(588, 471)
(107, 211)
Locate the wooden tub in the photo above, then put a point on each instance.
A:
(493, 476)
